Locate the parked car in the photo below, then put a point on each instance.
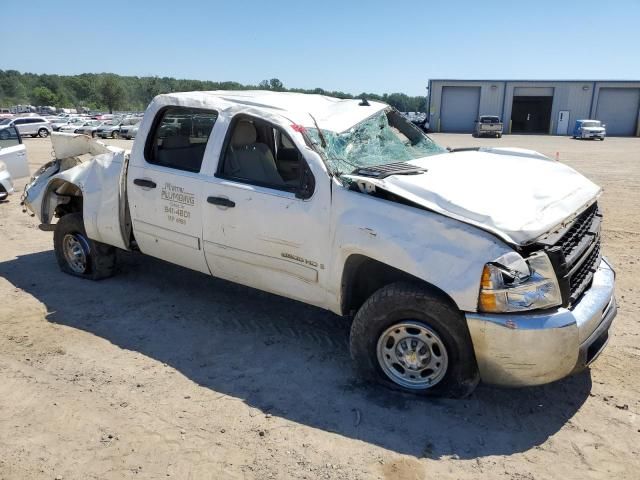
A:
(73, 127)
(13, 159)
(488, 126)
(351, 208)
(58, 123)
(91, 127)
(130, 131)
(32, 125)
(589, 129)
(109, 129)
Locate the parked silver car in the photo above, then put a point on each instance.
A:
(129, 131)
(109, 129)
(73, 127)
(58, 123)
(90, 128)
(34, 126)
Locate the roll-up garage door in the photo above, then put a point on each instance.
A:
(618, 110)
(459, 109)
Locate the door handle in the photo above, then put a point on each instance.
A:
(221, 201)
(141, 182)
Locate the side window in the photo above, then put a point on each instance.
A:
(9, 137)
(20, 121)
(179, 137)
(262, 154)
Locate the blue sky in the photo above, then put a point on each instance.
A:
(371, 46)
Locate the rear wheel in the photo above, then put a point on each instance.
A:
(43, 133)
(407, 338)
(77, 254)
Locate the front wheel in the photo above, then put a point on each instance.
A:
(78, 255)
(43, 133)
(114, 134)
(410, 339)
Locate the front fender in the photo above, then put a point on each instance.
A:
(446, 253)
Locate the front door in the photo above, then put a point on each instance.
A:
(165, 187)
(266, 223)
(563, 122)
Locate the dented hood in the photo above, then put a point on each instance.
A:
(516, 194)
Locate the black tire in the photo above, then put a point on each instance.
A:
(399, 302)
(43, 133)
(100, 258)
(114, 134)
(602, 139)
(4, 134)
(93, 134)
(499, 135)
(3, 194)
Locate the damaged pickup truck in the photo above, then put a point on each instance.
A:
(458, 266)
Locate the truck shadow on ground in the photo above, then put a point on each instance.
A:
(287, 359)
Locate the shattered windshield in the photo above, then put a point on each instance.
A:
(386, 137)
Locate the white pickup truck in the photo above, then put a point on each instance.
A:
(458, 265)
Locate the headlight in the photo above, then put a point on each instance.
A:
(513, 284)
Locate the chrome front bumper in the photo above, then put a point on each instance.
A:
(537, 348)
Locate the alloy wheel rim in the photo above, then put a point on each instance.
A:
(412, 355)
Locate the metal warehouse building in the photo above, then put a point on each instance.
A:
(535, 106)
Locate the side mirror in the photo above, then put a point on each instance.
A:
(307, 184)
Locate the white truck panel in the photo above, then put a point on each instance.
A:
(421, 243)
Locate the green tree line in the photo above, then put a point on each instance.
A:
(108, 91)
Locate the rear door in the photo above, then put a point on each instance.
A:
(13, 153)
(164, 186)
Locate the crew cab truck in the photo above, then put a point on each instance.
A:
(488, 126)
(454, 267)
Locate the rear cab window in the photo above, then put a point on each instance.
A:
(179, 137)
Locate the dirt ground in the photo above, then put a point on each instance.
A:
(161, 372)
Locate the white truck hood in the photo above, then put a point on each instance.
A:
(518, 195)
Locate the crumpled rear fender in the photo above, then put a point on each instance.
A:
(98, 182)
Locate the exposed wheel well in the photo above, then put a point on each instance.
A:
(61, 199)
(362, 276)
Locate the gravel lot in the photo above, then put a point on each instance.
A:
(161, 372)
